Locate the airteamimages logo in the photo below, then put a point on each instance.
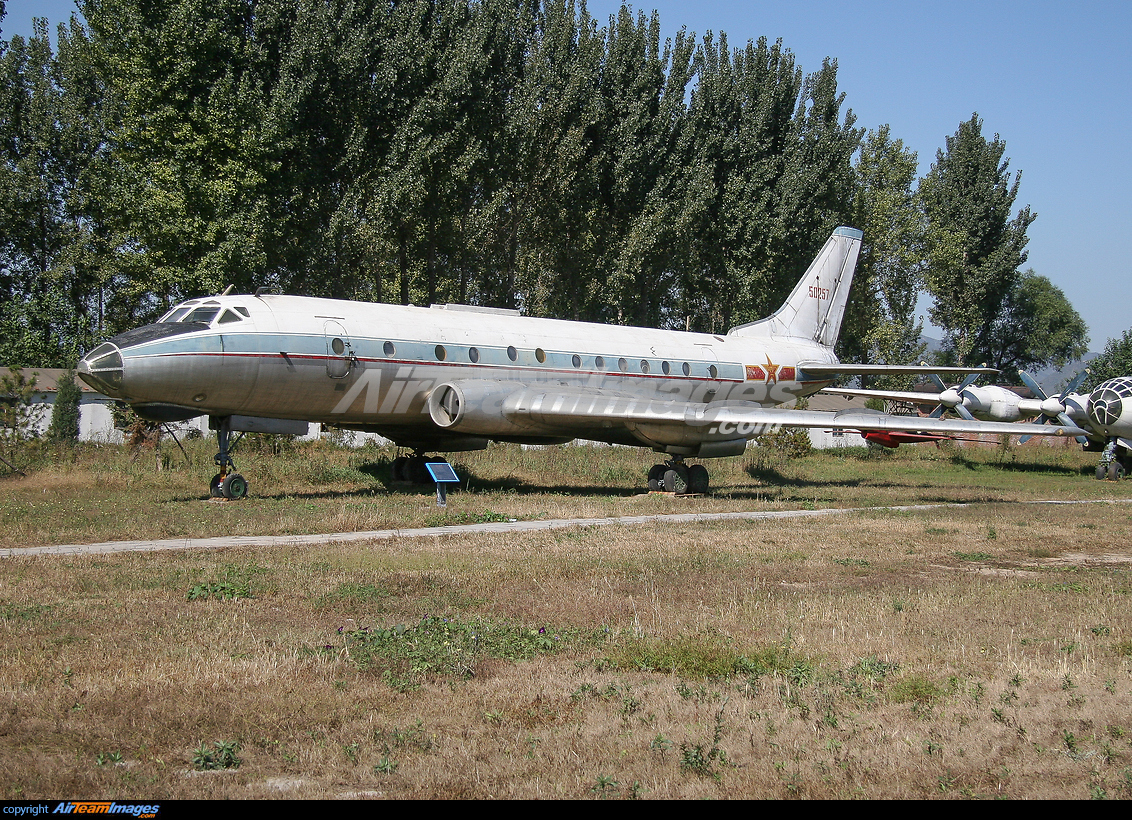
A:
(138, 810)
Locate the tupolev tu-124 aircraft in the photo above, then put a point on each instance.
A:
(454, 377)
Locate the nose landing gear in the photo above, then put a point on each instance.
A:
(227, 483)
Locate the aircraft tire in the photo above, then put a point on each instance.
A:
(656, 477)
(1102, 472)
(697, 479)
(416, 472)
(214, 486)
(235, 486)
(676, 481)
(1115, 471)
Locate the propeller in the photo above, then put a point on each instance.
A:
(951, 398)
(1054, 408)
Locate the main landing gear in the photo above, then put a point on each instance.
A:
(227, 483)
(411, 469)
(674, 476)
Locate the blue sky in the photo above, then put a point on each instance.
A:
(1054, 80)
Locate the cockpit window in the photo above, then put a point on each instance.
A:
(204, 313)
(229, 316)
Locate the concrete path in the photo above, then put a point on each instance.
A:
(224, 542)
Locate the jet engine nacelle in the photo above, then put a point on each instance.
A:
(475, 407)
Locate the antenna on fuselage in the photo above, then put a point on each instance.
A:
(228, 290)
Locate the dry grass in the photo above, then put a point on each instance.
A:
(975, 651)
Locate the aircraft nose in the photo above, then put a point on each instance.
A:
(102, 370)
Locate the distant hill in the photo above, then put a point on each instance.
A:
(1053, 379)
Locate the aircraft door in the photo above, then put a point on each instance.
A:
(706, 391)
(340, 357)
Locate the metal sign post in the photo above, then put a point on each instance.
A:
(443, 474)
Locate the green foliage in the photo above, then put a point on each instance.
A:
(64, 428)
(916, 689)
(705, 658)
(1116, 360)
(1036, 327)
(407, 654)
(19, 416)
(235, 584)
(975, 247)
(696, 759)
(484, 151)
(880, 324)
(223, 754)
(786, 442)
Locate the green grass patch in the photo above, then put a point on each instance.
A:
(916, 688)
(973, 556)
(710, 658)
(407, 655)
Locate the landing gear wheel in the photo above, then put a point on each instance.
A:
(234, 486)
(656, 477)
(214, 486)
(676, 479)
(416, 472)
(1115, 471)
(697, 479)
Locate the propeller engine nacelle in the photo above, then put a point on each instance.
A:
(1110, 407)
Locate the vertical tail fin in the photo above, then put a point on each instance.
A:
(815, 308)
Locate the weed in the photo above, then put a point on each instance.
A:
(407, 654)
(11, 612)
(973, 556)
(385, 766)
(235, 584)
(224, 754)
(448, 519)
(104, 758)
(697, 657)
(605, 786)
(916, 689)
(694, 759)
(414, 737)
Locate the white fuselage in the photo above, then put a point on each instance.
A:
(374, 367)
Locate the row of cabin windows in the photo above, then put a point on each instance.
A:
(441, 353)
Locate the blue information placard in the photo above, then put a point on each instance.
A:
(442, 472)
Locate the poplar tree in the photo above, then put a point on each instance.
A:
(975, 246)
(880, 325)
